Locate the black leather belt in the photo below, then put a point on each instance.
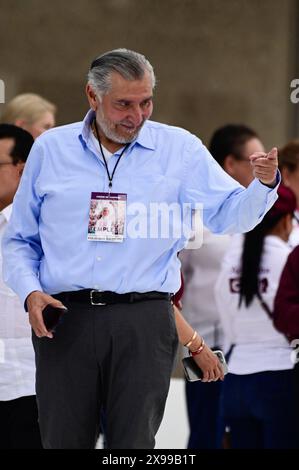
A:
(96, 297)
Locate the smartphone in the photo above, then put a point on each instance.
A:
(52, 316)
(194, 373)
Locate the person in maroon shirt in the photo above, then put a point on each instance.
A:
(286, 306)
(286, 312)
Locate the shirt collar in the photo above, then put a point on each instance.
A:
(85, 131)
(277, 241)
(144, 137)
(6, 212)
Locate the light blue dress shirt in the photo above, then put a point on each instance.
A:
(45, 246)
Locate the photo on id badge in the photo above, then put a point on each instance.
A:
(107, 217)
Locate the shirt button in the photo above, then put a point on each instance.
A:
(99, 258)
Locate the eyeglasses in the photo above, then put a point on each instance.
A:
(6, 163)
(243, 159)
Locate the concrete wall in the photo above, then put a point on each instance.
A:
(217, 61)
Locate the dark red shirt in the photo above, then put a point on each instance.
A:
(286, 305)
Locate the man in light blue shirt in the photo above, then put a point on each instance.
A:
(116, 344)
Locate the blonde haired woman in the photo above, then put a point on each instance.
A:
(30, 112)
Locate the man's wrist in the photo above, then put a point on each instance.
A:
(269, 185)
(25, 303)
(273, 183)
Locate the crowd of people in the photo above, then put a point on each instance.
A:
(230, 285)
(108, 364)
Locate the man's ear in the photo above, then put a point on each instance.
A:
(20, 168)
(229, 165)
(285, 174)
(92, 97)
(20, 123)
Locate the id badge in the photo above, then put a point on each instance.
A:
(107, 217)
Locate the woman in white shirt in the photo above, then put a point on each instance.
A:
(231, 145)
(257, 400)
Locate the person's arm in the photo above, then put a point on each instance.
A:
(286, 304)
(21, 244)
(227, 206)
(206, 360)
(22, 250)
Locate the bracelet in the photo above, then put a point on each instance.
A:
(191, 340)
(198, 351)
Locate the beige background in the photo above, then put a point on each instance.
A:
(216, 61)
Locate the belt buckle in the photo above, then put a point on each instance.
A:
(91, 299)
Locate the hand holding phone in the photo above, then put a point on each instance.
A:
(194, 373)
(52, 316)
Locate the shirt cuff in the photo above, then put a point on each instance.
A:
(277, 183)
(26, 285)
(263, 195)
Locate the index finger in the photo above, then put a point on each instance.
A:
(38, 322)
(257, 155)
(220, 368)
(43, 329)
(272, 155)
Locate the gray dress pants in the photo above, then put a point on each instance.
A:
(116, 357)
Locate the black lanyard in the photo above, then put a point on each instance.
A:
(110, 177)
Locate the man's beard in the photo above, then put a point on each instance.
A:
(108, 129)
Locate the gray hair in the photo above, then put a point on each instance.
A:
(129, 64)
